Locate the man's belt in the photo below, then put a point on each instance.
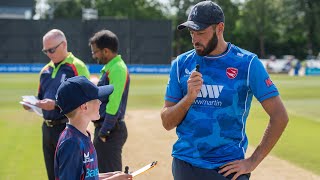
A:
(51, 123)
(99, 122)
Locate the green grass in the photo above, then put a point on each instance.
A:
(21, 147)
(146, 91)
(300, 141)
(21, 151)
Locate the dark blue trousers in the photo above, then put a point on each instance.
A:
(109, 152)
(182, 170)
(50, 137)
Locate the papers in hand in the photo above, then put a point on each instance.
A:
(144, 169)
(31, 101)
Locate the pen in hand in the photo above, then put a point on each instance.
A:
(198, 68)
(126, 170)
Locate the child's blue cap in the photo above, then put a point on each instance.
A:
(78, 90)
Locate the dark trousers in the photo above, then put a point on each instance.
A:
(109, 152)
(50, 137)
(182, 170)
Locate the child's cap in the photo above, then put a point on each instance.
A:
(78, 90)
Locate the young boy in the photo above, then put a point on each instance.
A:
(75, 156)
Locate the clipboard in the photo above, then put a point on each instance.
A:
(144, 169)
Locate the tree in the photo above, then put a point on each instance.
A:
(257, 25)
(301, 22)
(137, 9)
(182, 40)
(68, 8)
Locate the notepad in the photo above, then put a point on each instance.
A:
(31, 101)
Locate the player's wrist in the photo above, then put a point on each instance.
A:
(104, 134)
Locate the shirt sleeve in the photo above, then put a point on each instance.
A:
(82, 70)
(260, 82)
(118, 78)
(68, 161)
(173, 91)
(40, 92)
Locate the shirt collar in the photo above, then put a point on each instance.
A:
(111, 63)
(68, 59)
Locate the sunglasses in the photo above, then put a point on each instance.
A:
(51, 50)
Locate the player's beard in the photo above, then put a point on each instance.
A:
(99, 61)
(102, 60)
(212, 45)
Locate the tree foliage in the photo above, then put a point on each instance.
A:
(137, 9)
(182, 38)
(257, 22)
(264, 27)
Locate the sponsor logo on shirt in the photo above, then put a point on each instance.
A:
(189, 72)
(63, 78)
(87, 158)
(92, 172)
(232, 72)
(211, 91)
(240, 54)
(268, 82)
(205, 102)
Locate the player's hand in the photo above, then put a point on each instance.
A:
(103, 136)
(103, 139)
(108, 174)
(46, 104)
(117, 176)
(26, 107)
(238, 167)
(195, 82)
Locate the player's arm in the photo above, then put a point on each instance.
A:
(266, 92)
(46, 104)
(118, 78)
(277, 123)
(173, 113)
(268, 95)
(115, 176)
(82, 70)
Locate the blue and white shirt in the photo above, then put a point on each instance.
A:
(213, 131)
(75, 156)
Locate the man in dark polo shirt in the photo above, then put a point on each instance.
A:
(62, 65)
(110, 131)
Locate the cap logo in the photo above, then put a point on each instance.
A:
(232, 72)
(194, 12)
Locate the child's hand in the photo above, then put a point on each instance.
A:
(115, 176)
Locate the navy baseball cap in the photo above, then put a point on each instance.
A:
(203, 15)
(78, 90)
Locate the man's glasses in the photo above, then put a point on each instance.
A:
(94, 52)
(51, 50)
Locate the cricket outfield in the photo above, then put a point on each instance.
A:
(297, 152)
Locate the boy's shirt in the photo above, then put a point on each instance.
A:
(75, 156)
